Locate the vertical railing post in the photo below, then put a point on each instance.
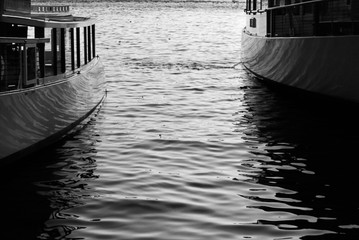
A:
(93, 40)
(54, 50)
(72, 43)
(23, 54)
(63, 50)
(85, 44)
(78, 47)
(89, 55)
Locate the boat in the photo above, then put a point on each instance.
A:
(310, 45)
(51, 79)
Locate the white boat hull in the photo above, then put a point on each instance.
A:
(32, 119)
(323, 65)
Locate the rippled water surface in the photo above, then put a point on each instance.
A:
(187, 144)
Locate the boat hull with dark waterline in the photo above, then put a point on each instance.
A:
(51, 79)
(309, 45)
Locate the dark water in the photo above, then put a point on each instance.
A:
(187, 144)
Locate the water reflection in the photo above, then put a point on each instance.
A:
(37, 191)
(23, 211)
(306, 148)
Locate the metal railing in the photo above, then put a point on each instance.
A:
(49, 9)
(27, 62)
(19, 62)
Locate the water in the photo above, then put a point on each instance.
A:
(187, 144)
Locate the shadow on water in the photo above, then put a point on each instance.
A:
(35, 190)
(312, 144)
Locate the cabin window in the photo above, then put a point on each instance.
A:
(32, 59)
(19, 65)
(253, 22)
(10, 62)
(30, 64)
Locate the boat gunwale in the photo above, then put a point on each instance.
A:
(300, 37)
(61, 78)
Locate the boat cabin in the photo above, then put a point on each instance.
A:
(296, 18)
(41, 44)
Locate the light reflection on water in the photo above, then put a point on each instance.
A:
(187, 146)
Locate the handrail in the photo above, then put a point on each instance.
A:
(50, 9)
(23, 40)
(296, 4)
